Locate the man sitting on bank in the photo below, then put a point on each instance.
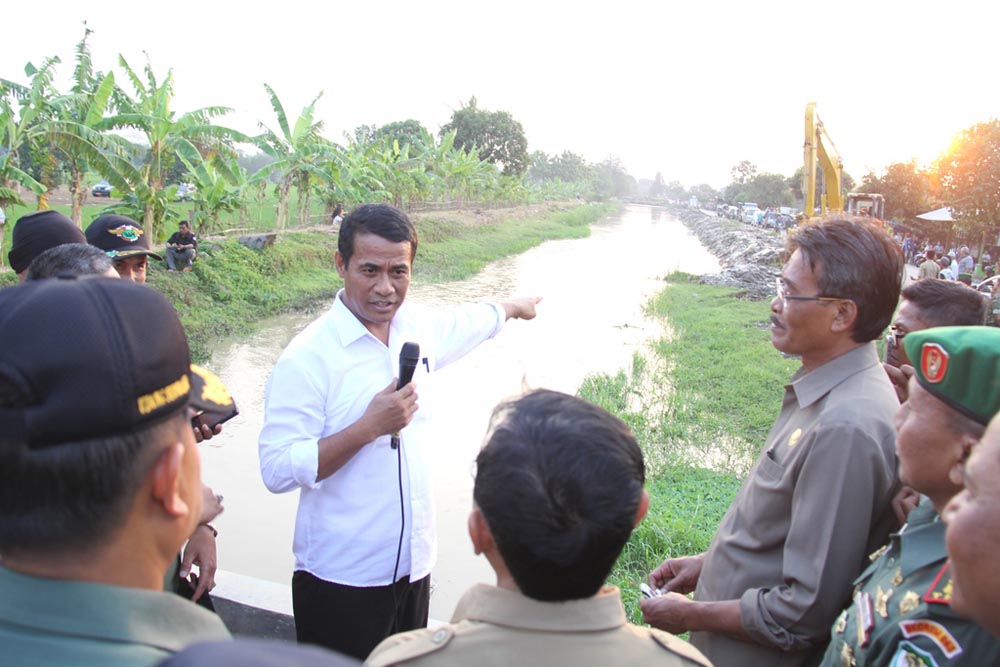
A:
(100, 480)
(559, 488)
(182, 246)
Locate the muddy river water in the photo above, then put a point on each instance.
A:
(591, 320)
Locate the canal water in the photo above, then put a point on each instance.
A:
(591, 320)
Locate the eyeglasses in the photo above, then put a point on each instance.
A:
(779, 286)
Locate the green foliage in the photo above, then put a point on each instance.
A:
(685, 506)
(497, 137)
(449, 251)
(970, 178)
(231, 286)
(906, 189)
(700, 403)
(766, 189)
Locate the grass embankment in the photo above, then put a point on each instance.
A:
(232, 287)
(701, 404)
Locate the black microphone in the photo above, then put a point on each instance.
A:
(409, 357)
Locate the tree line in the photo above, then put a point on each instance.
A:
(50, 138)
(965, 178)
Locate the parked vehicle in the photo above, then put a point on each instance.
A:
(102, 189)
(986, 286)
(185, 191)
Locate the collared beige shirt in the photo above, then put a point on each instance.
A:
(815, 504)
(494, 626)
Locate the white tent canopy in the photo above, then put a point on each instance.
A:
(940, 215)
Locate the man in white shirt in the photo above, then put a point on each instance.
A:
(332, 409)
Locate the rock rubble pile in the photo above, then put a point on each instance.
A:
(750, 256)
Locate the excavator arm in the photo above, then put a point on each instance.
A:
(819, 147)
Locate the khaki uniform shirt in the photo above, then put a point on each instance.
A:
(901, 613)
(815, 504)
(497, 627)
(929, 269)
(56, 622)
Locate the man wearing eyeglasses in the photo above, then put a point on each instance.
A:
(817, 501)
(927, 304)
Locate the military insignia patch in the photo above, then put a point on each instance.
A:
(841, 623)
(897, 578)
(882, 602)
(933, 362)
(940, 591)
(934, 631)
(908, 655)
(909, 603)
(126, 233)
(865, 618)
(847, 656)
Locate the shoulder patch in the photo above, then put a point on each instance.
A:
(679, 646)
(410, 645)
(908, 655)
(940, 590)
(934, 631)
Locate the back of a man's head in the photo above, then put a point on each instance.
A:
(560, 483)
(945, 303)
(71, 259)
(37, 232)
(382, 220)
(855, 260)
(95, 379)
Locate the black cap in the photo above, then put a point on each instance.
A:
(119, 236)
(82, 359)
(37, 232)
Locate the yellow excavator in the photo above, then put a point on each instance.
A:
(819, 148)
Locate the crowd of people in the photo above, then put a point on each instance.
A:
(863, 534)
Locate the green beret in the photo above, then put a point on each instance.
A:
(960, 366)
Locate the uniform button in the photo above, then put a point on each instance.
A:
(439, 636)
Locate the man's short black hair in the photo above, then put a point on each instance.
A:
(70, 496)
(69, 259)
(945, 303)
(559, 483)
(854, 259)
(381, 220)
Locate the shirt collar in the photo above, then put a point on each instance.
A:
(810, 386)
(512, 609)
(921, 542)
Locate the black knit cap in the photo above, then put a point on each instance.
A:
(119, 236)
(37, 232)
(82, 359)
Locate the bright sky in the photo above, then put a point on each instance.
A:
(686, 89)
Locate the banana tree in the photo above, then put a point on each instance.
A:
(22, 108)
(73, 132)
(300, 155)
(220, 187)
(166, 133)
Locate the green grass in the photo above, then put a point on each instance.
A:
(700, 403)
(451, 251)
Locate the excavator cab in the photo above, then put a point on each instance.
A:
(866, 205)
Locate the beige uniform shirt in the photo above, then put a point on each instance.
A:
(494, 626)
(815, 504)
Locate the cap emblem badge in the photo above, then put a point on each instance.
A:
(126, 233)
(934, 362)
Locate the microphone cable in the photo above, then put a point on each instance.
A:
(402, 530)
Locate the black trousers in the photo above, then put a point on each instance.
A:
(354, 620)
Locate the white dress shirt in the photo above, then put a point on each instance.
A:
(347, 525)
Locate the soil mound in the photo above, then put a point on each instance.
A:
(750, 257)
